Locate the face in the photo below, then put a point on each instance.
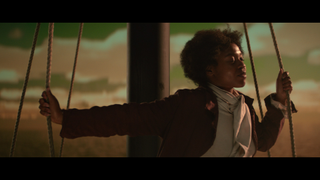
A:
(230, 70)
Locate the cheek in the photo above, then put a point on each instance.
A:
(226, 76)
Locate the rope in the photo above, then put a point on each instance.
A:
(48, 76)
(72, 79)
(288, 96)
(35, 37)
(254, 74)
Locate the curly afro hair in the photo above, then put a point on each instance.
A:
(203, 48)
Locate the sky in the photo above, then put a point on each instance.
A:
(102, 63)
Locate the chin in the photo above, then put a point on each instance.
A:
(240, 85)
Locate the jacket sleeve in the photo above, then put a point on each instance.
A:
(270, 127)
(131, 119)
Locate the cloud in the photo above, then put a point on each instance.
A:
(119, 37)
(15, 94)
(116, 38)
(293, 39)
(80, 78)
(14, 59)
(108, 58)
(306, 95)
(270, 88)
(10, 94)
(314, 57)
(298, 38)
(177, 43)
(301, 86)
(306, 85)
(97, 59)
(7, 75)
(78, 100)
(248, 89)
(103, 98)
(260, 39)
(15, 34)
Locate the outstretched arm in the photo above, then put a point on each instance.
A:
(131, 119)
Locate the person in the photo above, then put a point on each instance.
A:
(212, 120)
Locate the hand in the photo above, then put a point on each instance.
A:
(52, 108)
(283, 84)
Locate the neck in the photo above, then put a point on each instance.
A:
(230, 90)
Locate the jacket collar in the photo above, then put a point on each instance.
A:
(211, 99)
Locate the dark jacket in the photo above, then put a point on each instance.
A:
(186, 122)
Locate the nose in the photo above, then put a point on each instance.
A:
(241, 64)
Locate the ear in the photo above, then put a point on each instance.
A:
(210, 71)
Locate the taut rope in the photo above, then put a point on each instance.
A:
(288, 96)
(35, 37)
(72, 79)
(48, 76)
(254, 74)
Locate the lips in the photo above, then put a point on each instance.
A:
(243, 74)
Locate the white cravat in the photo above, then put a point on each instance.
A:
(233, 136)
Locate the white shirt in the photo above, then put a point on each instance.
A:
(233, 136)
